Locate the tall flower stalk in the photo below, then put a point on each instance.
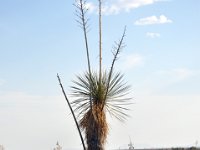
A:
(97, 93)
(100, 42)
(73, 114)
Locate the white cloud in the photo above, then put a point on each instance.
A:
(170, 81)
(131, 61)
(2, 82)
(27, 115)
(162, 19)
(90, 6)
(183, 73)
(117, 6)
(176, 117)
(179, 73)
(152, 35)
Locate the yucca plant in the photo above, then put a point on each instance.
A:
(98, 92)
(105, 97)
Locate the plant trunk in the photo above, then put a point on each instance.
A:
(95, 125)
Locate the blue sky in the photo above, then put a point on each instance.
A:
(39, 39)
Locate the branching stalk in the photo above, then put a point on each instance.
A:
(85, 34)
(115, 53)
(83, 23)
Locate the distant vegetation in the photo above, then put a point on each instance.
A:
(191, 148)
